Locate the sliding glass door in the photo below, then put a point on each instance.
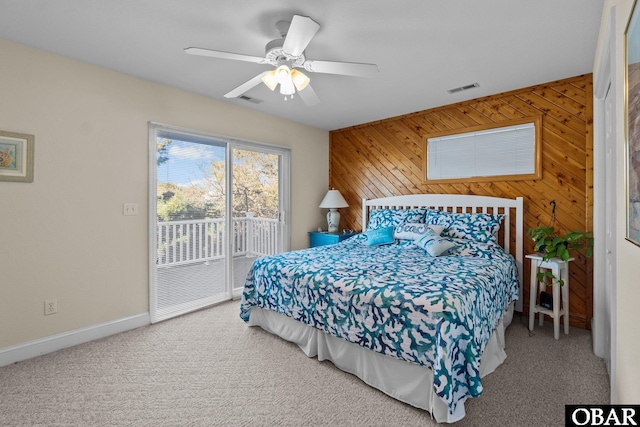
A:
(258, 214)
(215, 205)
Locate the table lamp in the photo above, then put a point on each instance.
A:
(332, 201)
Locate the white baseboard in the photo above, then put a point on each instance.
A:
(9, 355)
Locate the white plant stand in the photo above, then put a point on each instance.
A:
(560, 270)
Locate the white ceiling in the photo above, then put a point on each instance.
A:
(421, 47)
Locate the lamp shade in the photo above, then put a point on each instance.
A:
(287, 88)
(269, 80)
(300, 80)
(334, 200)
(283, 74)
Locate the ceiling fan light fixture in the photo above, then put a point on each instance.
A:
(287, 88)
(286, 54)
(283, 74)
(300, 80)
(270, 80)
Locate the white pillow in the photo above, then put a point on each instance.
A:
(434, 245)
(414, 230)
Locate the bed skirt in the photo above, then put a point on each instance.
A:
(407, 382)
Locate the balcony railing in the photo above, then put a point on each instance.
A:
(193, 241)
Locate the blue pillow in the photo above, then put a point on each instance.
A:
(433, 244)
(480, 227)
(380, 236)
(379, 218)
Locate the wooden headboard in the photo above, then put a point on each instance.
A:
(512, 209)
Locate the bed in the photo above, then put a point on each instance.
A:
(419, 315)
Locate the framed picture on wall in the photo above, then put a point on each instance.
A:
(633, 125)
(16, 157)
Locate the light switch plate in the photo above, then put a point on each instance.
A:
(130, 209)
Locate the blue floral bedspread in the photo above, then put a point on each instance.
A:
(395, 299)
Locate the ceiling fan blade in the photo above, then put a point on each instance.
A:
(301, 31)
(244, 87)
(223, 55)
(309, 96)
(344, 68)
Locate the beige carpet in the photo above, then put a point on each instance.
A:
(209, 369)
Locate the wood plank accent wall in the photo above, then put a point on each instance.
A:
(386, 158)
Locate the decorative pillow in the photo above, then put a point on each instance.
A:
(379, 218)
(480, 227)
(380, 236)
(412, 230)
(434, 245)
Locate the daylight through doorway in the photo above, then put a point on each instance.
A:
(215, 206)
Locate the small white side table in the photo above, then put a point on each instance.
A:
(560, 270)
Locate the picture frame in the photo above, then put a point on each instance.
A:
(632, 87)
(16, 157)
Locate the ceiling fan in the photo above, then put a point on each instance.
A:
(286, 54)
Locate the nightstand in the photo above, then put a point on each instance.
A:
(560, 270)
(321, 238)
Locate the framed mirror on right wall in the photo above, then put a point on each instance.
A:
(632, 36)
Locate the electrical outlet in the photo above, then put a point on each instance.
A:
(129, 209)
(50, 306)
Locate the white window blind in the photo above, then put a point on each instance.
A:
(509, 150)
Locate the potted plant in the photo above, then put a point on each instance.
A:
(551, 243)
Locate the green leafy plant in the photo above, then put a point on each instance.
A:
(550, 243)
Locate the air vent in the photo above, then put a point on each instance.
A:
(461, 88)
(250, 99)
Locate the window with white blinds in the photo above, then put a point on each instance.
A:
(507, 152)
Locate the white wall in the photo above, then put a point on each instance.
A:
(64, 236)
(626, 339)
